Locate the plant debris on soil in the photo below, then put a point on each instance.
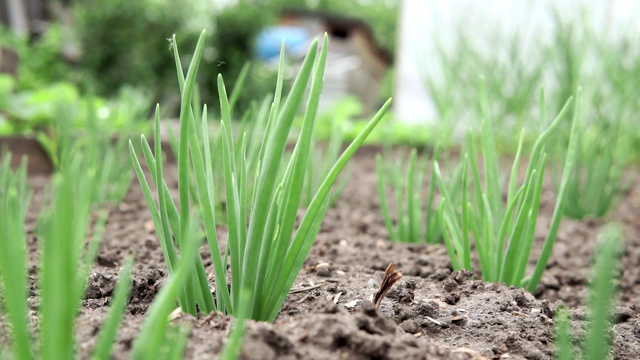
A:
(432, 312)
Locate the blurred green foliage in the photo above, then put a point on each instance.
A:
(125, 42)
(116, 43)
(232, 40)
(38, 111)
(576, 54)
(41, 60)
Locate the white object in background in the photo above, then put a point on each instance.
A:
(411, 102)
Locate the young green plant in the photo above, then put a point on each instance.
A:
(601, 300)
(604, 150)
(64, 226)
(263, 252)
(503, 233)
(416, 221)
(322, 159)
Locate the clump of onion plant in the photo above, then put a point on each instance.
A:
(601, 300)
(263, 252)
(417, 219)
(503, 231)
(65, 261)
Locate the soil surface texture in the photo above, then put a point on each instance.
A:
(431, 313)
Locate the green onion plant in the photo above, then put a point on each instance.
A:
(65, 261)
(503, 232)
(605, 139)
(263, 252)
(598, 178)
(158, 338)
(322, 159)
(416, 221)
(602, 295)
(579, 50)
(14, 201)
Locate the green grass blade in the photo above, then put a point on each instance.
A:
(452, 233)
(176, 342)
(313, 228)
(62, 231)
(236, 224)
(266, 182)
(239, 86)
(13, 259)
(183, 154)
(504, 228)
(159, 213)
(108, 333)
(293, 186)
(563, 339)
(484, 246)
(159, 220)
(384, 204)
(602, 295)
(526, 240)
(309, 225)
(558, 211)
(514, 171)
(149, 341)
(464, 250)
(446, 223)
(201, 158)
(413, 207)
(232, 348)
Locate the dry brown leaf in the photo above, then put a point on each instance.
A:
(390, 277)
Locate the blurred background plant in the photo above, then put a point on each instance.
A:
(136, 31)
(515, 65)
(68, 43)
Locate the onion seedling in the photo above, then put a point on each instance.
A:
(601, 300)
(604, 150)
(323, 157)
(503, 233)
(63, 227)
(263, 252)
(416, 222)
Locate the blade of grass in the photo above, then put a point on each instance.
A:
(602, 295)
(292, 189)
(108, 333)
(563, 339)
(239, 86)
(558, 211)
(13, 256)
(232, 348)
(309, 225)
(149, 341)
(268, 173)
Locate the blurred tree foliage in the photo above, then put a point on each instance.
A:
(125, 42)
(40, 58)
(235, 28)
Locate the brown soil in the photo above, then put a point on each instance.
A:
(431, 312)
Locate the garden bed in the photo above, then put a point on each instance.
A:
(431, 312)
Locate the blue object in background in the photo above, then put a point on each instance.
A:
(270, 39)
